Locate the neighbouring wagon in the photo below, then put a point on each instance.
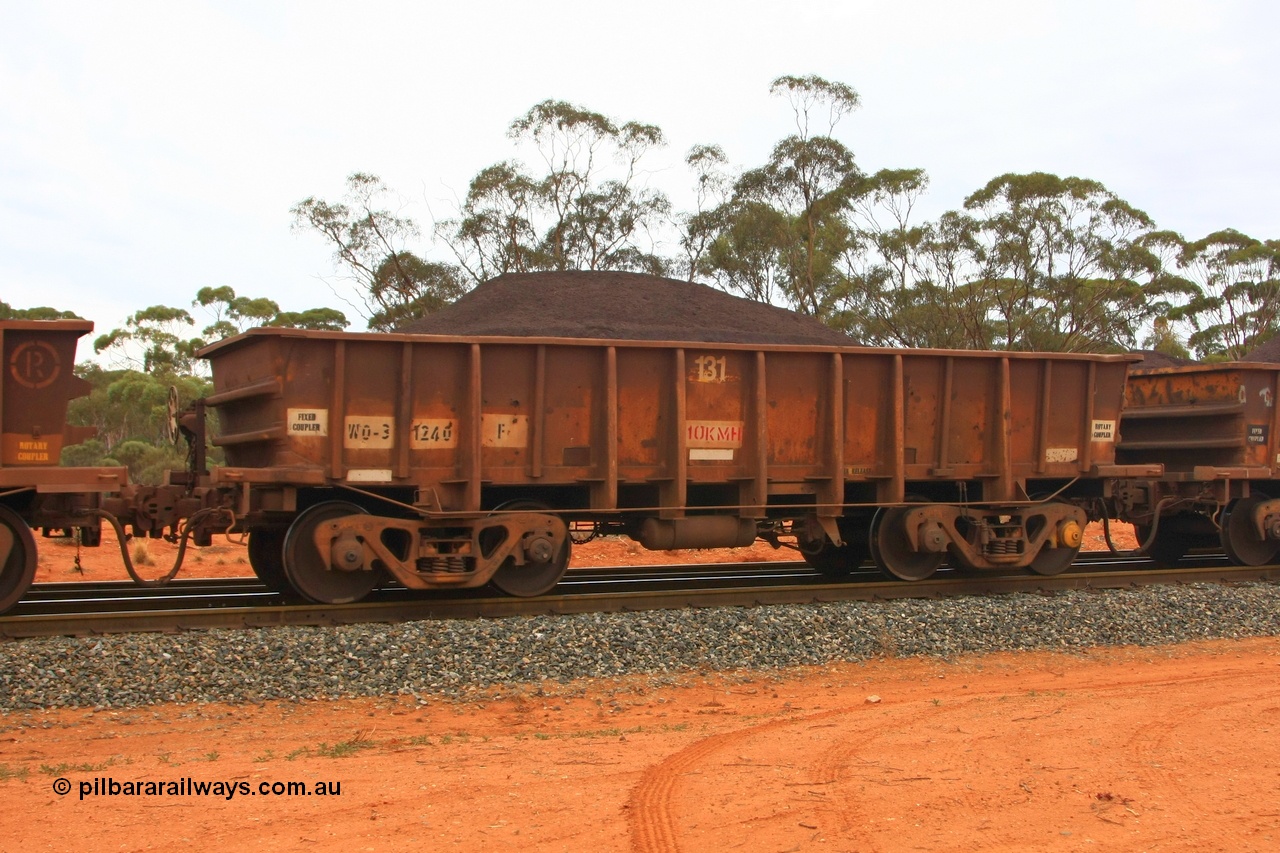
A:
(36, 385)
(1214, 429)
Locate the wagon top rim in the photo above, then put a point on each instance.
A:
(246, 337)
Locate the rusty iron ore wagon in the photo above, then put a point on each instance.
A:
(1214, 430)
(450, 462)
(36, 384)
(36, 387)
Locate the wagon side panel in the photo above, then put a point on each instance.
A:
(442, 432)
(36, 385)
(646, 415)
(873, 414)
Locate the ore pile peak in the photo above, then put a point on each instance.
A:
(620, 306)
(1268, 352)
(1152, 360)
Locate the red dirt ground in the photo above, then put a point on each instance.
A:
(1122, 749)
(1116, 749)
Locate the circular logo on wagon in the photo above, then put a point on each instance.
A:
(34, 364)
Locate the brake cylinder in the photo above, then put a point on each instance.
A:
(706, 531)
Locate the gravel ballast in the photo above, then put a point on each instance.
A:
(458, 659)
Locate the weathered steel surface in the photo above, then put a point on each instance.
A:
(666, 426)
(1214, 430)
(36, 384)
(1203, 422)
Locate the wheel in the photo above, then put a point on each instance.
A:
(266, 556)
(1053, 561)
(307, 570)
(830, 560)
(1240, 539)
(892, 551)
(1170, 546)
(17, 558)
(533, 578)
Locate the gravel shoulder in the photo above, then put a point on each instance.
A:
(459, 659)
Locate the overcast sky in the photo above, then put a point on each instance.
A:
(148, 149)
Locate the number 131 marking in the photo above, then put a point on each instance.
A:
(711, 368)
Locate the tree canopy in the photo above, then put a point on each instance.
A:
(1029, 261)
(585, 206)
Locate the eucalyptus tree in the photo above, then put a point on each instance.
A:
(751, 251)
(918, 289)
(1061, 263)
(130, 405)
(233, 314)
(369, 243)
(699, 227)
(156, 341)
(1234, 282)
(42, 312)
(587, 206)
(151, 357)
(888, 296)
(795, 204)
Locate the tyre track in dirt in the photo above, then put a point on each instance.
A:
(1150, 745)
(654, 805)
(651, 806)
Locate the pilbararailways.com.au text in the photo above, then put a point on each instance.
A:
(106, 786)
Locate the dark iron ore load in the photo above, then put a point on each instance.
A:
(1152, 360)
(1268, 353)
(620, 306)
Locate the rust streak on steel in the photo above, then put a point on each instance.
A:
(3, 351)
(1087, 462)
(681, 440)
(1046, 400)
(1272, 460)
(946, 405)
(833, 488)
(265, 388)
(1004, 458)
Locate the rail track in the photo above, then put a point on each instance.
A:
(80, 609)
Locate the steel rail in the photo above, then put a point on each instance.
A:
(68, 591)
(189, 593)
(743, 591)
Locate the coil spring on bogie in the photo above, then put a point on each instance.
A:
(997, 547)
(455, 565)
